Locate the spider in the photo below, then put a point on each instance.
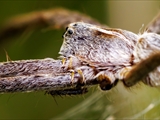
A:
(114, 54)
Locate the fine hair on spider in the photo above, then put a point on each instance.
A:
(115, 53)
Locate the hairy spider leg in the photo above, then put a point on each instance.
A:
(71, 91)
(70, 67)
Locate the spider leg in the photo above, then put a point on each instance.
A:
(72, 76)
(67, 64)
(80, 72)
(106, 80)
(147, 60)
(63, 61)
(82, 80)
(142, 69)
(72, 64)
(71, 91)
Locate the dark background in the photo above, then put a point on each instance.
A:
(120, 102)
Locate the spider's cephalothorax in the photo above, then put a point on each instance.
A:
(111, 52)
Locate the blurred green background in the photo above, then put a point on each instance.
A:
(137, 102)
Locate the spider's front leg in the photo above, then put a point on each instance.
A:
(147, 61)
(72, 64)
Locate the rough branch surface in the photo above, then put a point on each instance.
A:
(42, 74)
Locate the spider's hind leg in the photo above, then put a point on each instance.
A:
(147, 60)
(141, 70)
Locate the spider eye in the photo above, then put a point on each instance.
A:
(66, 28)
(75, 24)
(70, 31)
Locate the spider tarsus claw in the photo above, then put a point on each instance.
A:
(69, 67)
(72, 76)
(82, 79)
(70, 63)
(63, 61)
(66, 64)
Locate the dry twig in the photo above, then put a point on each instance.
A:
(42, 74)
(53, 18)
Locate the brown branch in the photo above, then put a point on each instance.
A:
(53, 18)
(42, 74)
